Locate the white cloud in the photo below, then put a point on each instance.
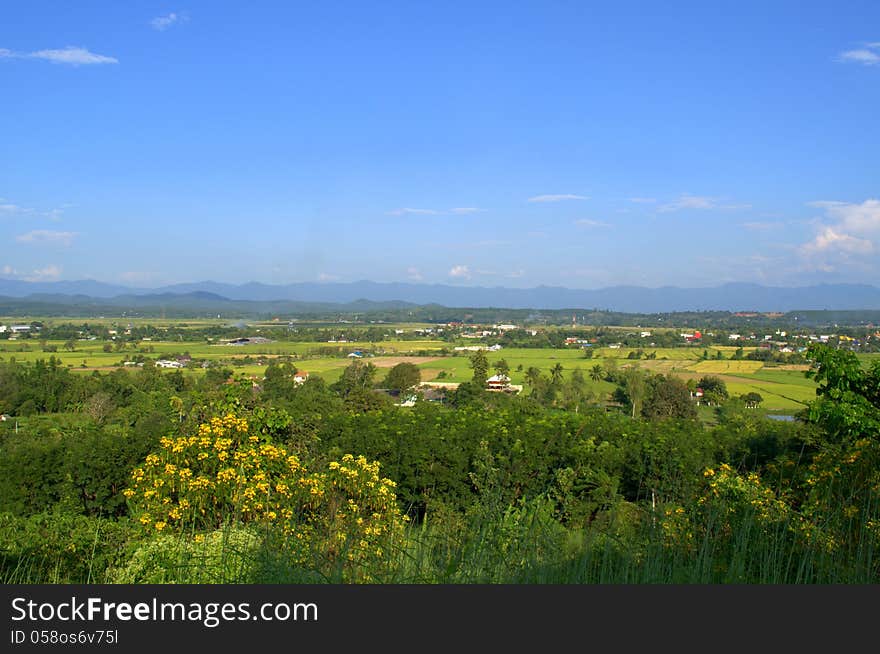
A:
(830, 238)
(162, 23)
(860, 218)
(460, 271)
(848, 231)
(464, 210)
(587, 222)
(71, 55)
(327, 277)
(41, 236)
(557, 197)
(9, 270)
(46, 274)
(414, 274)
(867, 56)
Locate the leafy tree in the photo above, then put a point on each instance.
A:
(752, 399)
(480, 365)
(403, 377)
(597, 372)
(633, 383)
(714, 389)
(668, 397)
(357, 377)
(278, 381)
(848, 402)
(502, 367)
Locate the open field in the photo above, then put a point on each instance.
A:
(784, 388)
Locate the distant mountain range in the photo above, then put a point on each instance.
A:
(628, 299)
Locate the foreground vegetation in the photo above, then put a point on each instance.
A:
(148, 476)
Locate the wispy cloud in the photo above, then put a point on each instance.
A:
(867, 55)
(9, 271)
(405, 211)
(757, 226)
(643, 200)
(588, 222)
(71, 55)
(460, 272)
(8, 207)
(826, 204)
(559, 197)
(414, 274)
(137, 276)
(162, 23)
(47, 236)
(327, 277)
(48, 273)
(688, 201)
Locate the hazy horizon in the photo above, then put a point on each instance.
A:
(473, 144)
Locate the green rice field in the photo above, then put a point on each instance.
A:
(784, 388)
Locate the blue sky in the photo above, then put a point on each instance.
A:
(577, 144)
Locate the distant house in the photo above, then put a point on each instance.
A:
(165, 363)
(357, 354)
(498, 383)
(300, 377)
(433, 394)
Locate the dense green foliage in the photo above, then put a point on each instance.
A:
(546, 486)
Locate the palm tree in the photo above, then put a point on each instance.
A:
(597, 372)
(533, 379)
(556, 374)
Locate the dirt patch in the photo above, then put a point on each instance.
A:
(727, 379)
(390, 362)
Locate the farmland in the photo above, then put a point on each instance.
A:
(784, 388)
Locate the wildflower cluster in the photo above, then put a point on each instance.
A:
(677, 528)
(227, 475)
(364, 507)
(732, 495)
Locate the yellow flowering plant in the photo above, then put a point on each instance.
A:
(227, 475)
